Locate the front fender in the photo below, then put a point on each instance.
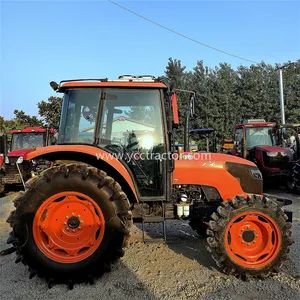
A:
(86, 154)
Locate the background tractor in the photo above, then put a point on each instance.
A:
(74, 220)
(206, 139)
(3, 153)
(289, 137)
(24, 141)
(257, 141)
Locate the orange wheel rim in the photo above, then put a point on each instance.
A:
(68, 227)
(252, 239)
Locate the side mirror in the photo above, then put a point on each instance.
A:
(175, 109)
(54, 85)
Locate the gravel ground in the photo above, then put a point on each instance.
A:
(181, 269)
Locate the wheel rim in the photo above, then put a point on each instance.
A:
(252, 239)
(68, 227)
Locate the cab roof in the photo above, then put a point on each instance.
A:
(32, 129)
(124, 81)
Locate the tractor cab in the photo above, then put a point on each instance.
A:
(257, 140)
(31, 137)
(289, 137)
(123, 118)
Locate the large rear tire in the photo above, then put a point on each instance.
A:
(249, 237)
(70, 224)
(296, 177)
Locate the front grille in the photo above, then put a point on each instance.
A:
(242, 173)
(12, 168)
(12, 174)
(279, 161)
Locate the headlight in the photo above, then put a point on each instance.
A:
(284, 153)
(6, 160)
(20, 160)
(256, 174)
(272, 154)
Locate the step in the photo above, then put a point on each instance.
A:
(153, 219)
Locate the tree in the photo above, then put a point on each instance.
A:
(22, 120)
(50, 111)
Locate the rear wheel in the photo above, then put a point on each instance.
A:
(70, 224)
(296, 177)
(249, 237)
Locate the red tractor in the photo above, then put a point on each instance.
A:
(289, 136)
(3, 153)
(73, 221)
(24, 141)
(257, 141)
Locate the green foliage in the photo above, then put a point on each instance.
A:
(225, 97)
(50, 111)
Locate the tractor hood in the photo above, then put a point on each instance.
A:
(213, 158)
(272, 148)
(228, 174)
(20, 152)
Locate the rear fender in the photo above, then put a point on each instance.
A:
(93, 156)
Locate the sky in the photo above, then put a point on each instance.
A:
(43, 41)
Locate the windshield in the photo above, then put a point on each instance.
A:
(27, 140)
(125, 122)
(259, 136)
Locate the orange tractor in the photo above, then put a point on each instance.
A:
(73, 221)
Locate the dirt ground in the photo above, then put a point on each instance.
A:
(180, 269)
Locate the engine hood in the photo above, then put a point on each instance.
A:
(272, 148)
(212, 158)
(20, 152)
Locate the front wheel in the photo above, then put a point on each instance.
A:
(70, 224)
(249, 237)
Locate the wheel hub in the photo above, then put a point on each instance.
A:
(248, 236)
(252, 239)
(68, 239)
(73, 222)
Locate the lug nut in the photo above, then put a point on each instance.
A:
(254, 242)
(78, 216)
(74, 230)
(81, 221)
(79, 227)
(65, 223)
(248, 244)
(256, 235)
(67, 217)
(240, 236)
(73, 214)
(67, 228)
